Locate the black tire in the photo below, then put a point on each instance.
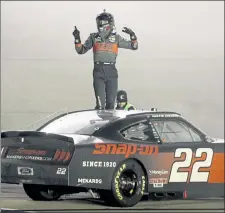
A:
(129, 170)
(41, 192)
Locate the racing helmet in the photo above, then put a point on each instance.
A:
(121, 96)
(105, 20)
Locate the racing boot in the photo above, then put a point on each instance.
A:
(109, 106)
(99, 108)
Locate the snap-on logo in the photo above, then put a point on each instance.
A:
(125, 149)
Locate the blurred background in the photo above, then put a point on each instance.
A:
(179, 65)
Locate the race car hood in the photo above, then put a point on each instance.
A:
(83, 139)
(217, 140)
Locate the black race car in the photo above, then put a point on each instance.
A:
(119, 156)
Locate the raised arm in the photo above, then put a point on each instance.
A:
(79, 47)
(131, 44)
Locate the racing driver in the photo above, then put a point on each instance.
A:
(105, 44)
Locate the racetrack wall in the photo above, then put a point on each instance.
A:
(179, 65)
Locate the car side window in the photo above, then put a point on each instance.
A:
(139, 131)
(175, 131)
(195, 135)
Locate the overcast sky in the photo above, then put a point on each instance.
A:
(179, 64)
(43, 28)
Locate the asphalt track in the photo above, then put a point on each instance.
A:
(13, 197)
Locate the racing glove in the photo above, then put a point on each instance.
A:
(76, 34)
(133, 37)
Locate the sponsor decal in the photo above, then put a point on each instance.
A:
(87, 180)
(25, 171)
(164, 115)
(143, 185)
(124, 149)
(116, 181)
(158, 180)
(19, 157)
(106, 164)
(61, 171)
(28, 154)
(22, 151)
(157, 172)
(157, 185)
(155, 134)
(105, 47)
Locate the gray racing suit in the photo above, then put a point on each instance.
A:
(105, 51)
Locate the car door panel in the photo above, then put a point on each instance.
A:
(179, 166)
(197, 167)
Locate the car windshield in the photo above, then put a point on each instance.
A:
(175, 131)
(85, 123)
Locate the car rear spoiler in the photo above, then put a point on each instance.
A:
(11, 134)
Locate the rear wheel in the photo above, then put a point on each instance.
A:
(41, 192)
(127, 187)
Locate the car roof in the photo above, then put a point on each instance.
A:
(119, 113)
(110, 115)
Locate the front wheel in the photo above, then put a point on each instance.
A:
(127, 187)
(41, 192)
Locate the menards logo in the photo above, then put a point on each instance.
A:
(125, 149)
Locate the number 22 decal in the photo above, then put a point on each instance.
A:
(195, 175)
(61, 171)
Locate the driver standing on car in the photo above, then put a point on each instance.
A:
(105, 45)
(122, 101)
